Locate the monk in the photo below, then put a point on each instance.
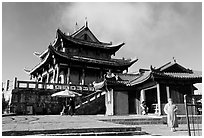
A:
(170, 109)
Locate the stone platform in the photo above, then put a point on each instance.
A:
(89, 125)
(63, 125)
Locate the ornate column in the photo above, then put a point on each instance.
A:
(142, 96)
(48, 76)
(68, 74)
(167, 92)
(109, 103)
(158, 99)
(54, 73)
(62, 74)
(83, 77)
(101, 74)
(57, 74)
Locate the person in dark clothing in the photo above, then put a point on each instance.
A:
(72, 105)
(144, 108)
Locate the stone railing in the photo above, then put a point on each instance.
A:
(40, 85)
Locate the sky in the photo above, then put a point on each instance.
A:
(153, 32)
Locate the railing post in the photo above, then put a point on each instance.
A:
(27, 84)
(14, 83)
(187, 118)
(53, 85)
(88, 99)
(45, 85)
(36, 85)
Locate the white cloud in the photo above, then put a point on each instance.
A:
(152, 31)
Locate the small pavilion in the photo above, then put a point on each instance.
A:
(155, 86)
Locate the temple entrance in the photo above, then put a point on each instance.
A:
(151, 99)
(132, 102)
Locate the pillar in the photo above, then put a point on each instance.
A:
(167, 92)
(142, 96)
(62, 74)
(48, 77)
(101, 74)
(57, 74)
(158, 99)
(68, 74)
(109, 102)
(83, 77)
(54, 72)
(14, 83)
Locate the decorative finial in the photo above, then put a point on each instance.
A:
(174, 59)
(76, 27)
(86, 22)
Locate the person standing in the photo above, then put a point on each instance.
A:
(72, 105)
(170, 109)
(144, 108)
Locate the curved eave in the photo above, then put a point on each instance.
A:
(27, 71)
(111, 48)
(115, 48)
(115, 62)
(41, 63)
(132, 62)
(54, 44)
(144, 77)
(42, 55)
(178, 76)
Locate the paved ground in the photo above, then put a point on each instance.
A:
(53, 122)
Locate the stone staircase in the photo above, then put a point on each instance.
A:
(92, 104)
(111, 131)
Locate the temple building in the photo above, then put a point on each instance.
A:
(81, 63)
(79, 58)
(153, 85)
(73, 61)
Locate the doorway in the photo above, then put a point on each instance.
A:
(151, 99)
(132, 102)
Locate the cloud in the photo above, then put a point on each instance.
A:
(150, 30)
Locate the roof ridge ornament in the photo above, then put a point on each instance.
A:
(86, 22)
(76, 27)
(174, 60)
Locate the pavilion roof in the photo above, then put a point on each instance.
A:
(58, 54)
(94, 44)
(193, 75)
(144, 75)
(173, 66)
(73, 39)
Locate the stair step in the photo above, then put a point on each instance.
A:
(80, 131)
(136, 121)
(159, 120)
(128, 133)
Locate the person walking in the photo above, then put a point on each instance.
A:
(170, 109)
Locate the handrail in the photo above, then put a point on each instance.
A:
(87, 99)
(36, 85)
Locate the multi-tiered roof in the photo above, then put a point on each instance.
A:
(84, 39)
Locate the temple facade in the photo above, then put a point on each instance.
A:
(74, 61)
(79, 59)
